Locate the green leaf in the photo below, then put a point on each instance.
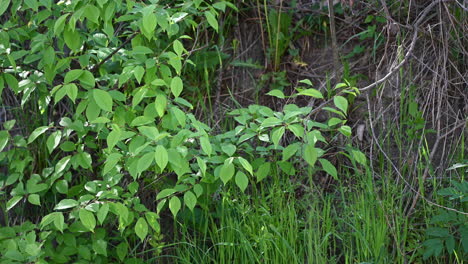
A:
(177, 86)
(102, 213)
(4, 137)
(59, 23)
(87, 79)
(152, 219)
(65, 204)
(71, 90)
(263, 171)
(276, 135)
(113, 138)
(359, 157)
(174, 205)
(190, 200)
(36, 133)
(345, 130)
(72, 39)
(310, 154)
(4, 6)
(202, 165)
(34, 199)
(103, 99)
(62, 186)
(276, 93)
(62, 164)
(59, 221)
(229, 149)
(91, 12)
(306, 81)
(341, 103)
(311, 92)
(246, 165)
(289, 151)
(87, 219)
(145, 162)
(329, 168)
(149, 24)
(178, 47)
(122, 251)
(12, 202)
(226, 172)
(242, 181)
(271, 121)
(165, 193)
(211, 20)
(141, 228)
(206, 145)
(160, 104)
(161, 157)
(138, 72)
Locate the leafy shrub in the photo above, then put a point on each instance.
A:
(104, 80)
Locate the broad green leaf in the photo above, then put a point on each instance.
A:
(263, 171)
(306, 81)
(102, 213)
(100, 247)
(246, 165)
(84, 160)
(190, 200)
(311, 92)
(59, 23)
(310, 154)
(334, 121)
(329, 168)
(206, 145)
(141, 120)
(152, 219)
(160, 104)
(178, 47)
(242, 181)
(229, 149)
(53, 140)
(113, 138)
(165, 193)
(103, 99)
(276, 135)
(36, 133)
(65, 204)
(211, 20)
(345, 130)
(341, 103)
(138, 72)
(62, 164)
(34, 199)
(149, 24)
(122, 251)
(271, 121)
(141, 228)
(177, 86)
(71, 90)
(4, 6)
(59, 221)
(87, 79)
(226, 172)
(277, 93)
(174, 205)
(161, 157)
(72, 39)
(12, 202)
(202, 165)
(297, 129)
(111, 161)
(289, 151)
(62, 186)
(4, 138)
(87, 219)
(359, 157)
(91, 12)
(145, 162)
